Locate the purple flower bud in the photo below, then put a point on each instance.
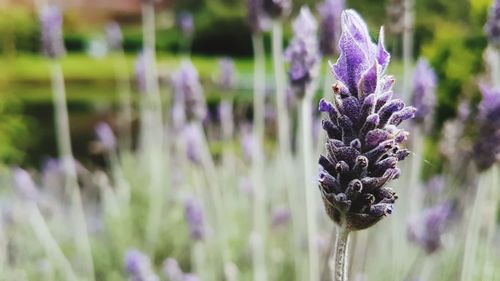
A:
(358, 52)
(330, 11)
(487, 146)
(428, 229)
(138, 266)
(105, 136)
(280, 217)
(492, 27)
(194, 143)
(172, 270)
(277, 8)
(188, 91)
(114, 36)
(24, 185)
(186, 24)
(52, 34)
(303, 53)
(227, 74)
(363, 146)
(424, 90)
(195, 219)
(255, 17)
(140, 72)
(247, 141)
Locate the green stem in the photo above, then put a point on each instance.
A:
(407, 46)
(473, 232)
(66, 155)
(123, 89)
(312, 227)
(279, 73)
(340, 259)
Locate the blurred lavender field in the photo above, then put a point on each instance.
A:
(250, 140)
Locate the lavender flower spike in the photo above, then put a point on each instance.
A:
(172, 270)
(227, 77)
(487, 146)
(105, 136)
(138, 266)
(195, 219)
(52, 34)
(492, 27)
(424, 90)
(363, 146)
(140, 72)
(330, 11)
(255, 15)
(188, 92)
(277, 8)
(186, 24)
(427, 231)
(24, 185)
(303, 53)
(114, 37)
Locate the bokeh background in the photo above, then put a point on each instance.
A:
(157, 202)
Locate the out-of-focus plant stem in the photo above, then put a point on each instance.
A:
(259, 204)
(279, 73)
(66, 155)
(415, 193)
(50, 245)
(154, 128)
(407, 46)
(215, 193)
(310, 191)
(123, 89)
(339, 262)
(472, 234)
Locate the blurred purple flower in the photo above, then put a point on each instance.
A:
(172, 270)
(138, 266)
(194, 141)
(436, 184)
(424, 90)
(52, 34)
(140, 72)
(105, 136)
(303, 53)
(363, 146)
(330, 11)
(114, 37)
(492, 27)
(277, 8)
(487, 146)
(195, 219)
(247, 142)
(280, 216)
(188, 92)
(225, 111)
(227, 74)
(24, 185)
(255, 16)
(186, 24)
(428, 229)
